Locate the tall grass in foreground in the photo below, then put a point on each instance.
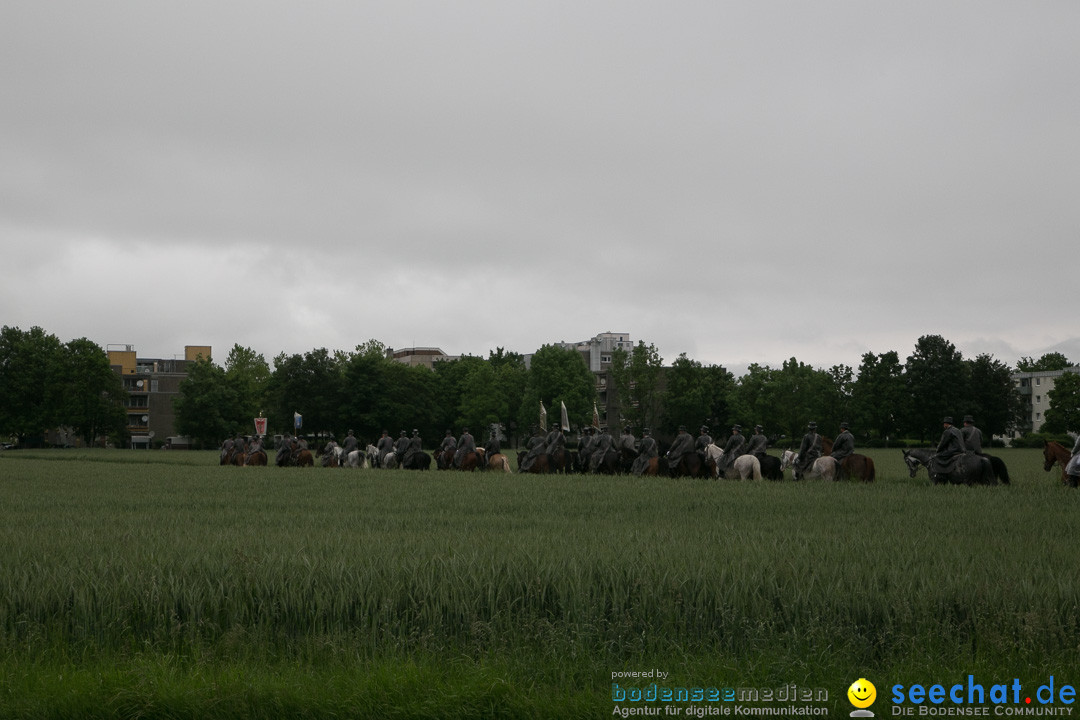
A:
(570, 576)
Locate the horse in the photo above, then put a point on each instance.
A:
(824, 467)
(471, 461)
(498, 461)
(690, 465)
(1055, 452)
(998, 466)
(540, 466)
(257, 458)
(969, 469)
(355, 459)
(418, 461)
(858, 466)
(444, 459)
(745, 467)
(770, 467)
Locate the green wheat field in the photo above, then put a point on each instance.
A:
(154, 584)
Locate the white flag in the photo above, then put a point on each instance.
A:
(543, 417)
(565, 420)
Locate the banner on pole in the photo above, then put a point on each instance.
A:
(543, 417)
(260, 426)
(595, 417)
(298, 420)
(565, 419)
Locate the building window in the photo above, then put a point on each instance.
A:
(1038, 398)
(1038, 416)
(1038, 381)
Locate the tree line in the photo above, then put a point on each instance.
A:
(45, 383)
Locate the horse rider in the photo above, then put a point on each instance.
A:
(555, 444)
(950, 447)
(535, 448)
(809, 450)
(1072, 468)
(757, 443)
(449, 444)
(627, 442)
(227, 446)
(704, 440)
(256, 445)
(600, 448)
(414, 447)
(492, 447)
(328, 453)
(400, 446)
(682, 445)
(383, 447)
(843, 445)
(584, 446)
(284, 449)
(350, 444)
(646, 453)
(733, 448)
(465, 446)
(972, 436)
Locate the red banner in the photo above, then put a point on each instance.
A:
(260, 426)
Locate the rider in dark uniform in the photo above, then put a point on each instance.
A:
(733, 448)
(465, 445)
(949, 447)
(682, 445)
(757, 444)
(809, 451)
(972, 435)
(843, 445)
(647, 452)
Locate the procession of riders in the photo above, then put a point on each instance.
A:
(597, 451)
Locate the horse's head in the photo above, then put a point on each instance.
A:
(912, 461)
(1049, 456)
(787, 459)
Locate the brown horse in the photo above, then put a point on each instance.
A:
(1055, 452)
(859, 467)
(444, 460)
(257, 458)
(540, 467)
(498, 462)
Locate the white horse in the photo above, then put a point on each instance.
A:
(744, 467)
(356, 459)
(824, 467)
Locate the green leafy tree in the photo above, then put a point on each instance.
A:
(309, 384)
(249, 374)
(558, 375)
(878, 392)
(452, 391)
(1063, 415)
(93, 395)
(1049, 361)
(992, 397)
(937, 385)
(31, 382)
(696, 395)
(637, 376)
(205, 405)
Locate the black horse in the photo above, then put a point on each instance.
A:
(970, 469)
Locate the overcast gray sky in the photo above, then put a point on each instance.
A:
(739, 181)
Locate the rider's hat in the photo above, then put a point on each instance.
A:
(758, 427)
(968, 418)
(705, 429)
(645, 431)
(843, 426)
(947, 419)
(736, 428)
(812, 426)
(682, 428)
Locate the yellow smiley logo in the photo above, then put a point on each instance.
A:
(862, 693)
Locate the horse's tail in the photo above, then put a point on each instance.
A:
(1000, 470)
(505, 464)
(756, 465)
(871, 473)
